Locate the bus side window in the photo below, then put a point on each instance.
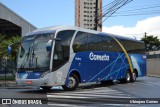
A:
(94, 42)
(107, 43)
(128, 45)
(62, 48)
(80, 42)
(139, 48)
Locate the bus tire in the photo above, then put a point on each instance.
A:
(134, 77)
(127, 78)
(73, 83)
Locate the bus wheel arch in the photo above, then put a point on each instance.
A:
(135, 70)
(77, 74)
(73, 81)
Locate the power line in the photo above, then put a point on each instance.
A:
(137, 14)
(152, 7)
(114, 6)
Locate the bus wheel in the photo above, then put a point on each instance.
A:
(134, 76)
(127, 79)
(128, 76)
(73, 83)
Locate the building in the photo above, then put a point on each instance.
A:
(153, 54)
(12, 24)
(153, 63)
(85, 14)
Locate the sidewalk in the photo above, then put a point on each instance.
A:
(7, 83)
(12, 85)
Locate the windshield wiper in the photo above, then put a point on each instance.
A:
(34, 57)
(26, 57)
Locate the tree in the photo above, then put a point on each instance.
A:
(152, 42)
(4, 42)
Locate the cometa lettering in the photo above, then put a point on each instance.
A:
(94, 57)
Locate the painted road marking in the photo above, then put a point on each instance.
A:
(86, 97)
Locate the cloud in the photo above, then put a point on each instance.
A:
(149, 25)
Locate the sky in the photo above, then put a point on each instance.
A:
(144, 15)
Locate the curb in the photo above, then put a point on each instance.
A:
(152, 75)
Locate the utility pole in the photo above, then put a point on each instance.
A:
(145, 34)
(96, 16)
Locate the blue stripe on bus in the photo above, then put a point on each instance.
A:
(99, 70)
(106, 67)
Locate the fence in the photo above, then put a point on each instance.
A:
(7, 77)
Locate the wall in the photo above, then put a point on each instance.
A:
(8, 15)
(153, 67)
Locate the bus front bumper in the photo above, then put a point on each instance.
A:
(32, 82)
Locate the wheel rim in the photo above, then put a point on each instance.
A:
(134, 76)
(71, 82)
(128, 77)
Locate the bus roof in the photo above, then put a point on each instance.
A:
(53, 29)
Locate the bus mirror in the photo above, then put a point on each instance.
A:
(9, 50)
(57, 39)
(10, 47)
(49, 45)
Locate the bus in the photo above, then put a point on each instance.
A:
(66, 56)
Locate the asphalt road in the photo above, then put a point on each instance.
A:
(92, 95)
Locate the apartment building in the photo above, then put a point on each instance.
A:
(85, 14)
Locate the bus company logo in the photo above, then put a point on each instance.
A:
(94, 57)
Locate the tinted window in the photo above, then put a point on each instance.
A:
(62, 48)
(117, 47)
(128, 45)
(107, 43)
(139, 48)
(94, 42)
(80, 43)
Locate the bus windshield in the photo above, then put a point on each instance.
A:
(33, 54)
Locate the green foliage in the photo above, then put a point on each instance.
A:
(11, 59)
(5, 41)
(7, 78)
(152, 42)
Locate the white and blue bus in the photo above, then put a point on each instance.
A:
(66, 56)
